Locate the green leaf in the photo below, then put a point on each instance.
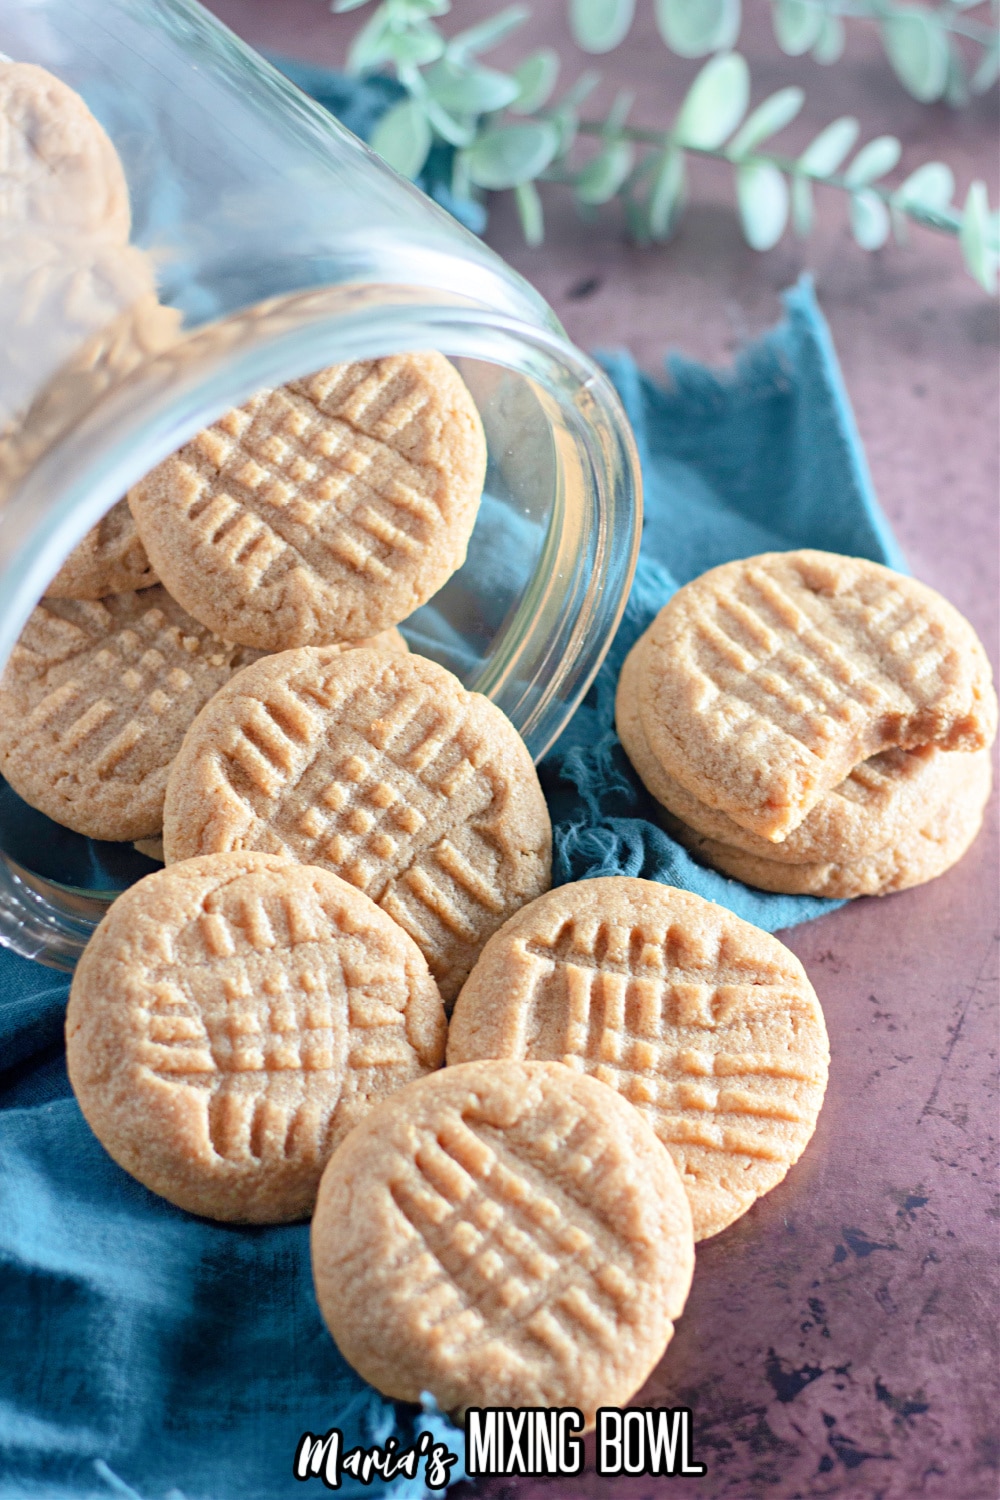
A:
(468, 89)
(456, 132)
(992, 232)
(529, 209)
(600, 25)
(536, 78)
(637, 220)
(715, 103)
(368, 49)
(487, 34)
(900, 225)
(873, 161)
(956, 92)
(869, 219)
(460, 184)
(511, 154)
(766, 120)
(414, 49)
(825, 154)
(797, 25)
(693, 28)
(762, 196)
(604, 174)
(931, 186)
(916, 44)
(666, 198)
(975, 238)
(402, 137)
(406, 12)
(987, 70)
(802, 207)
(829, 46)
(339, 6)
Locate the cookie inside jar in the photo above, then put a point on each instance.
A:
(348, 497)
(251, 424)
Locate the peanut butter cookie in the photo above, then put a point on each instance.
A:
(766, 681)
(96, 699)
(872, 809)
(59, 169)
(707, 1025)
(327, 509)
(94, 703)
(109, 560)
(383, 769)
(232, 1018)
(936, 838)
(503, 1234)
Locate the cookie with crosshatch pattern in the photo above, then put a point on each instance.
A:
(503, 1234)
(232, 1018)
(384, 769)
(96, 699)
(94, 703)
(874, 810)
(766, 681)
(707, 1025)
(325, 509)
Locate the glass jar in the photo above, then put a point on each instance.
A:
(281, 244)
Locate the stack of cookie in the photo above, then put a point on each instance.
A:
(629, 1068)
(320, 513)
(78, 302)
(353, 840)
(383, 770)
(243, 709)
(513, 1231)
(344, 831)
(813, 724)
(244, 1032)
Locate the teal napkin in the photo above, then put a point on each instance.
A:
(148, 1353)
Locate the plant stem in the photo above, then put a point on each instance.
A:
(946, 220)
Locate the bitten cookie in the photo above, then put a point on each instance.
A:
(386, 771)
(327, 509)
(95, 701)
(59, 169)
(503, 1234)
(109, 560)
(707, 1025)
(232, 1018)
(874, 808)
(766, 681)
(937, 837)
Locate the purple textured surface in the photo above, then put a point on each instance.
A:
(841, 1340)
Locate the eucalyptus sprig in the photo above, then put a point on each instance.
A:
(507, 132)
(924, 45)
